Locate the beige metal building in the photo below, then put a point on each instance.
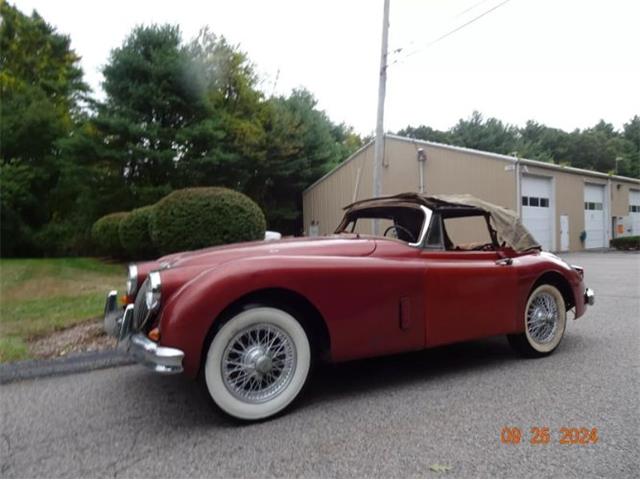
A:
(565, 208)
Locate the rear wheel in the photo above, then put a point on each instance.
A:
(257, 363)
(545, 319)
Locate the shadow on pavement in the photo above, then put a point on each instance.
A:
(179, 401)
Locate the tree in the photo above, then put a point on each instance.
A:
(174, 115)
(600, 148)
(40, 95)
(631, 133)
(155, 110)
(235, 106)
(423, 132)
(489, 135)
(155, 131)
(302, 144)
(192, 115)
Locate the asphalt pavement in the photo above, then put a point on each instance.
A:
(431, 414)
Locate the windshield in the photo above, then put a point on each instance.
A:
(402, 223)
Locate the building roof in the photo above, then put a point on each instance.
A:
(496, 156)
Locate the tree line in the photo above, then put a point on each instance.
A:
(601, 147)
(175, 114)
(181, 113)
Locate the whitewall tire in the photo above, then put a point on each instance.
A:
(545, 321)
(257, 363)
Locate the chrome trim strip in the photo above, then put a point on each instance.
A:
(425, 226)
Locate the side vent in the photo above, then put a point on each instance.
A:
(405, 313)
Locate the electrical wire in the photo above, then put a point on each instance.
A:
(470, 8)
(394, 50)
(449, 33)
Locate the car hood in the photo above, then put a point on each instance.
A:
(335, 245)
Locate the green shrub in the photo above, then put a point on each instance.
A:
(105, 234)
(61, 239)
(200, 217)
(626, 243)
(134, 234)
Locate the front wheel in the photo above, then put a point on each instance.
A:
(545, 319)
(257, 363)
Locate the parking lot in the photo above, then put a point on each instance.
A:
(430, 414)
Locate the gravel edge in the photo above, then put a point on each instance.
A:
(72, 363)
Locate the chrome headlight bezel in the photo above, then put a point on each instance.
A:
(153, 295)
(132, 279)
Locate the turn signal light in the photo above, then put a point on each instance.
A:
(154, 334)
(124, 299)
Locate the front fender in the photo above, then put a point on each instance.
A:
(192, 309)
(360, 311)
(532, 271)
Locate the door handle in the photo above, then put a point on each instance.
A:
(505, 261)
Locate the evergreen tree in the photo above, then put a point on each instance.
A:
(41, 94)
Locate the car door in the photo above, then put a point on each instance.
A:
(468, 294)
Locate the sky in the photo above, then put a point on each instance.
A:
(564, 63)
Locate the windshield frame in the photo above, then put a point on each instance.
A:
(426, 222)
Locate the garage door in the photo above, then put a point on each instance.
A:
(537, 214)
(634, 211)
(594, 222)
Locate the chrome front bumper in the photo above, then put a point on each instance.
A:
(589, 296)
(118, 323)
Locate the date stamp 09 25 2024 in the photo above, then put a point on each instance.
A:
(544, 436)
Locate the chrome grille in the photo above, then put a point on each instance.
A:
(140, 311)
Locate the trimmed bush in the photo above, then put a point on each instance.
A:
(626, 243)
(201, 217)
(64, 239)
(134, 234)
(105, 234)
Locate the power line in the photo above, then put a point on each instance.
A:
(470, 8)
(449, 33)
(395, 50)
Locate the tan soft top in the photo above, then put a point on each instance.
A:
(505, 222)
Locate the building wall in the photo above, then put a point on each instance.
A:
(453, 170)
(324, 202)
(568, 191)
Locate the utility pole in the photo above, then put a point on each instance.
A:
(382, 87)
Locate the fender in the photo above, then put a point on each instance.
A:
(347, 292)
(532, 271)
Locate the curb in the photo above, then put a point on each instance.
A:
(73, 363)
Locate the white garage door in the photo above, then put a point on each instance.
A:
(537, 214)
(634, 211)
(594, 220)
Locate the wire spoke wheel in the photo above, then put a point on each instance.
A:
(542, 318)
(258, 363)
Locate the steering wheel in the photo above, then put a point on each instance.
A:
(398, 228)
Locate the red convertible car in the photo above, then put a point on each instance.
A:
(250, 319)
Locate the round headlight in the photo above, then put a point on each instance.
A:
(132, 279)
(153, 294)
